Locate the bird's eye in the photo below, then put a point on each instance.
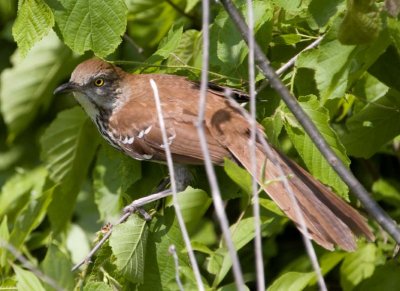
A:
(98, 82)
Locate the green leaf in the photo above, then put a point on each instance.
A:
(26, 280)
(4, 237)
(21, 185)
(292, 281)
(159, 273)
(394, 30)
(68, 147)
(193, 204)
(221, 262)
(239, 175)
(358, 266)
(330, 62)
(57, 265)
(27, 88)
(30, 217)
(128, 243)
(379, 119)
(230, 47)
(309, 153)
(168, 45)
(34, 21)
(384, 278)
(95, 25)
(337, 66)
(361, 24)
(114, 172)
(150, 20)
(387, 190)
(273, 128)
(188, 51)
(97, 286)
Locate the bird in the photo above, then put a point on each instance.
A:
(122, 106)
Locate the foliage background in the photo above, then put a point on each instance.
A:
(61, 182)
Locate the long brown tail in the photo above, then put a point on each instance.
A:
(330, 221)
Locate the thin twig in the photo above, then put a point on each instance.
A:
(212, 179)
(178, 211)
(347, 176)
(253, 156)
(28, 265)
(127, 212)
(291, 62)
(172, 251)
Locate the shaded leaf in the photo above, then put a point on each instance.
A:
(57, 265)
(361, 24)
(114, 172)
(379, 119)
(27, 87)
(68, 147)
(30, 217)
(384, 278)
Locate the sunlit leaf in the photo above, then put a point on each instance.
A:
(291, 281)
(239, 175)
(95, 25)
(26, 280)
(34, 21)
(358, 266)
(128, 242)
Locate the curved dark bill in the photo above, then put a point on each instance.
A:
(64, 88)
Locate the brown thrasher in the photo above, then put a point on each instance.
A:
(123, 108)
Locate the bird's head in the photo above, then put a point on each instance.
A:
(95, 85)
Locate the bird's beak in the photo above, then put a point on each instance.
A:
(65, 88)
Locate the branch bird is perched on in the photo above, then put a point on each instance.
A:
(123, 108)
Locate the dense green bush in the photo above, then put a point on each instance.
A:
(61, 182)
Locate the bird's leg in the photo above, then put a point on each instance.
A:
(183, 177)
(160, 191)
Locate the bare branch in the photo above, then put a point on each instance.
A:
(253, 156)
(347, 176)
(178, 211)
(291, 62)
(172, 251)
(215, 192)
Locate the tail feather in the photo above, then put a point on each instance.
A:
(330, 220)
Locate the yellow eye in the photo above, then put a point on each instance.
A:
(98, 82)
